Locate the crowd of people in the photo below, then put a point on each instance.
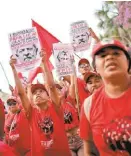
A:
(51, 120)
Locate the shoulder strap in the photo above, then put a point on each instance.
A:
(87, 106)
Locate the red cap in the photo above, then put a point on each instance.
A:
(87, 75)
(107, 43)
(83, 60)
(12, 98)
(37, 86)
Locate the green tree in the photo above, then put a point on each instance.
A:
(108, 22)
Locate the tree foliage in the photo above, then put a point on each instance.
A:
(115, 20)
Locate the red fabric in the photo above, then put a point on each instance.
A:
(46, 38)
(2, 118)
(46, 41)
(83, 94)
(20, 75)
(21, 130)
(69, 108)
(5, 150)
(32, 74)
(103, 111)
(108, 43)
(55, 142)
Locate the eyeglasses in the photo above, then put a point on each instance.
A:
(11, 103)
(84, 65)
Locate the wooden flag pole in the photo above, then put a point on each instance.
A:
(77, 55)
(4, 73)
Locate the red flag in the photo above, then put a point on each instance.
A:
(33, 74)
(46, 38)
(46, 41)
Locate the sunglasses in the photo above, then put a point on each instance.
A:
(11, 103)
(84, 65)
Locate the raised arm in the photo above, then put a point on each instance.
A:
(50, 81)
(94, 35)
(21, 91)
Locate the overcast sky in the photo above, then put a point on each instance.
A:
(53, 15)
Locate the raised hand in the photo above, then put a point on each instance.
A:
(93, 34)
(12, 61)
(43, 55)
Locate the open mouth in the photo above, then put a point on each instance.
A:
(111, 65)
(38, 97)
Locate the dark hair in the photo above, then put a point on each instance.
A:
(92, 75)
(113, 47)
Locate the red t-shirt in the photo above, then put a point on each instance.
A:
(83, 94)
(20, 135)
(70, 114)
(48, 133)
(2, 119)
(5, 150)
(103, 112)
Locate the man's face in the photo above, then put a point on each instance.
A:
(84, 68)
(111, 62)
(27, 54)
(13, 106)
(81, 38)
(93, 83)
(40, 96)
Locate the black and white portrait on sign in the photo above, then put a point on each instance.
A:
(80, 36)
(81, 39)
(26, 54)
(63, 56)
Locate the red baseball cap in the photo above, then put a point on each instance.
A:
(108, 43)
(12, 98)
(83, 60)
(87, 75)
(37, 86)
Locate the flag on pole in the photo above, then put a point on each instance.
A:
(46, 38)
(46, 41)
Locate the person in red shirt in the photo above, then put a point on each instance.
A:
(71, 119)
(93, 81)
(16, 124)
(106, 114)
(48, 136)
(2, 121)
(84, 67)
(81, 87)
(5, 150)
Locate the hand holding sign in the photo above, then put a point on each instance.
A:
(12, 62)
(93, 35)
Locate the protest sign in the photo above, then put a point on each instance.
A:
(25, 48)
(63, 56)
(80, 36)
